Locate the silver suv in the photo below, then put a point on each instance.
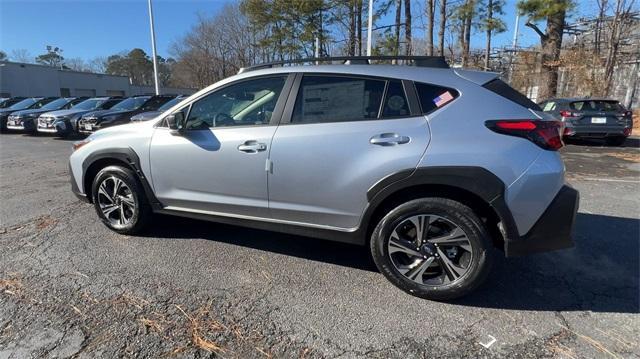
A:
(436, 170)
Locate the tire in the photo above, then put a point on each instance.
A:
(615, 141)
(471, 255)
(133, 211)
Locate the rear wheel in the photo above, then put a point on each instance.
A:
(120, 201)
(433, 248)
(615, 141)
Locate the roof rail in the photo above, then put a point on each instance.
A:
(421, 61)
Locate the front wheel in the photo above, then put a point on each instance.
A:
(433, 248)
(120, 201)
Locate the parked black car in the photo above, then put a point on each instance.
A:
(145, 116)
(592, 118)
(10, 101)
(28, 103)
(121, 112)
(63, 122)
(27, 120)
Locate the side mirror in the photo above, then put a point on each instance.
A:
(174, 122)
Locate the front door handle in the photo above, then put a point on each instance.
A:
(389, 139)
(252, 147)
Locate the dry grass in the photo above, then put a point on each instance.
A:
(200, 325)
(45, 222)
(636, 121)
(12, 286)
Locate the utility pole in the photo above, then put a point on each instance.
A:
(370, 28)
(153, 49)
(514, 45)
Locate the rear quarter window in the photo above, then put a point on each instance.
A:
(499, 87)
(432, 97)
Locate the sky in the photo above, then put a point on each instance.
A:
(92, 28)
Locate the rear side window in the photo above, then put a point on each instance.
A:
(549, 106)
(337, 99)
(433, 97)
(499, 87)
(395, 101)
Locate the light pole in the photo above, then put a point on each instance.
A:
(370, 28)
(153, 49)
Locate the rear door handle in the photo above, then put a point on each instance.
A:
(389, 139)
(252, 147)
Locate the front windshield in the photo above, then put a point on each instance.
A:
(170, 104)
(23, 104)
(90, 104)
(55, 104)
(129, 104)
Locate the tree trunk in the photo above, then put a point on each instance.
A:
(398, 19)
(443, 25)
(551, 45)
(430, 17)
(466, 45)
(407, 26)
(352, 28)
(359, 25)
(487, 52)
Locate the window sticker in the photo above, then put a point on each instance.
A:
(443, 99)
(325, 102)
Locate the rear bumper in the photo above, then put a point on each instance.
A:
(553, 229)
(596, 131)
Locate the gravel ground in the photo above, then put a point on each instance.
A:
(71, 288)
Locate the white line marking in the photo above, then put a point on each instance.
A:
(605, 180)
(490, 343)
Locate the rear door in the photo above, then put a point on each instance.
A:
(339, 136)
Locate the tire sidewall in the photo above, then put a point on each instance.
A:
(129, 179)
(450, 210)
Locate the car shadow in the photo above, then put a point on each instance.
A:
(342, 254)
(600, 274)
(631, 142)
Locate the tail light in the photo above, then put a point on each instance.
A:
(568, 114)
(546, 134)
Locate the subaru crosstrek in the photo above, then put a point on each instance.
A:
(435, 169)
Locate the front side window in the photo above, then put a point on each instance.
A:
(248, 103)
(337, 98)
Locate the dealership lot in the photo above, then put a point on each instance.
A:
(69, 286)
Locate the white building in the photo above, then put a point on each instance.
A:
(18, 79)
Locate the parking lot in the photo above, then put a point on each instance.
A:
(71, 287)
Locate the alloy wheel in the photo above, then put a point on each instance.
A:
(116, 201)
(430, 250)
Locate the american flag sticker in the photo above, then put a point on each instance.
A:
(443, 99)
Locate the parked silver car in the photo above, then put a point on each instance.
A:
(437, 170)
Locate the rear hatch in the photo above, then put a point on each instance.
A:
(597, 113)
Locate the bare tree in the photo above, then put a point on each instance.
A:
(407, 26)
(398, 23)
(21, 55)
(618, 26)
(430, 18)
(443, 25)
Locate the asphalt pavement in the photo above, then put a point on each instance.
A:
(69, 287)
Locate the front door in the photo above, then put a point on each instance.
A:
(216, 164)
